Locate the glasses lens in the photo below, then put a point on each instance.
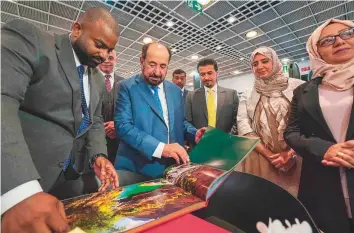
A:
(347, 34)
(327, 41)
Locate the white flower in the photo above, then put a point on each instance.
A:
(277, 227)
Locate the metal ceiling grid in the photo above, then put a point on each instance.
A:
(282, 25)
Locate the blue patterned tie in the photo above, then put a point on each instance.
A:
(155, 89)
(86, 119)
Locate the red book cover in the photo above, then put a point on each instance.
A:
(187, 223)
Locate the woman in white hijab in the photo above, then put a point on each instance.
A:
(321, 128)
(264, 113)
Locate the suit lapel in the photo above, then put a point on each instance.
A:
(66, 59)
(146, 93)
(221, 96)
(94, 76)
(200, 97)
(185, 93)
(311, 103)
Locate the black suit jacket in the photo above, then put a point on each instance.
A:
(41, 107)
(309, 135)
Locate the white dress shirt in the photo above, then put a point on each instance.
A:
(111, 79)
(182, 91)
(215, 91)
(23, 191)
(159, 149)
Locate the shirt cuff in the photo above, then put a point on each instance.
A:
(18, 194)
(158, 151)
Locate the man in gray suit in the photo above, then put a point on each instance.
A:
(211, 105)
(51, 117)
(179, 78)
(109, 103)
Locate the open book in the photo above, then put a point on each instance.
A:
(183, 189)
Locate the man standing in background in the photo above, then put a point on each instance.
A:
(179, 78)
(211, 105)
(109, 103)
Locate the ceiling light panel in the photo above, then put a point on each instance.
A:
(197, 34)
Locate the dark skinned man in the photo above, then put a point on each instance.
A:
(51, 117)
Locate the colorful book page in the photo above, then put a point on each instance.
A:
(129, 207)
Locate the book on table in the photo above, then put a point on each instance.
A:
(183, 189)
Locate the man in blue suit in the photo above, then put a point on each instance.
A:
(149, 118)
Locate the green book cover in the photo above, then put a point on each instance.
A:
(221, 150)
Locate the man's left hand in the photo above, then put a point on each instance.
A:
(109, 129)
(106, 172)
(200, 134)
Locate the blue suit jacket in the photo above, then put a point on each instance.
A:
(141, 126)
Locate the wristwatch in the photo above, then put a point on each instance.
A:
(93, 159)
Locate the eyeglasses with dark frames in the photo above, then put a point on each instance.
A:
(329, 40)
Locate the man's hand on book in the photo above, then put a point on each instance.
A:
(176, 151)
(106, 172)
(200, 134)
(39, 213)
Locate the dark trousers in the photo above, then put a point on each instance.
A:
(88, 183)
(112, 148)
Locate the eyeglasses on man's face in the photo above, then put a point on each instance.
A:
(329, 40)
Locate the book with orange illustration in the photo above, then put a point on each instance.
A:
(183, 189)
